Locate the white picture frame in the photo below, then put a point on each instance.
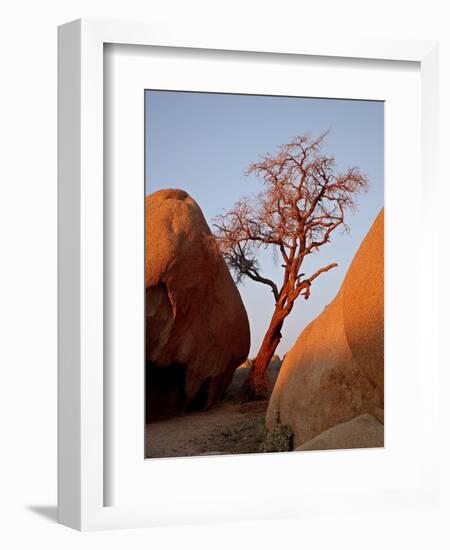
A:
(82, 483)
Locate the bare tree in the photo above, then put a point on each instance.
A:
(304, 200)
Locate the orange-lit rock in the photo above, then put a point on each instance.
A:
(364, 431)
(197, 330)
(335, 370)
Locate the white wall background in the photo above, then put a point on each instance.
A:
(28, 271)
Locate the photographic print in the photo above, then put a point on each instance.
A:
(264, 274)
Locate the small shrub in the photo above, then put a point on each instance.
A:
(278, 439)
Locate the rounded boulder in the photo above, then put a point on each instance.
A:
(197, 330)
(335, 370)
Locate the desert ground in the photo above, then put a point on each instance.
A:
(227, 428)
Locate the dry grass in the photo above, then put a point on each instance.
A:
(278, 439)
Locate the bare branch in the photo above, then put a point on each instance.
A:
(256, 277)
(305, 285)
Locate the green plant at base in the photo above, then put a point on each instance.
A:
(278, 439)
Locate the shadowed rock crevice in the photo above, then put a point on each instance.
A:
(164, 388)
(200, 400)
(158, 310)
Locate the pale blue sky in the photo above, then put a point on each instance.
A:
(203, 142)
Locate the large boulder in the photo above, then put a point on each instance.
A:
(335, 370)
(197, 330)
(364, 431)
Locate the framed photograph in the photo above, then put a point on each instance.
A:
(247, 309)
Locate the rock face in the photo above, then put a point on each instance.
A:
(197, 330)
(335, 370)
(365, 431)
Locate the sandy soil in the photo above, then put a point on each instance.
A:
(227, 428)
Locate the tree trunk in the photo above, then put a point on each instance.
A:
(256, 385)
